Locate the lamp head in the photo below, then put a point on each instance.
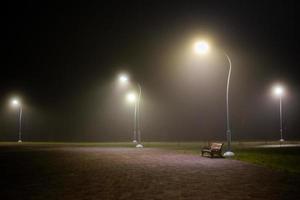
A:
(131, 97)
(123, 78)
(201, 47)
(15, 102)
(278, 90)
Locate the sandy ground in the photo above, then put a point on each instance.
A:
(128, 173)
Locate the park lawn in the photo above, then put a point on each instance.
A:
(282, 158)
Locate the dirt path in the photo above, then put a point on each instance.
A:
(128, 173)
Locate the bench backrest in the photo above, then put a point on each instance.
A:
(216, 146)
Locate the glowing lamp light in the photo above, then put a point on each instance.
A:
(201, 47)
(131, 97)
(278, 90)
(15, 102)
(123, 78)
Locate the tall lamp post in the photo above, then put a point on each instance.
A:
(17, 103)
(202, 47)
(139, 139)
(279, 91)
(136, 99)
(131, 97)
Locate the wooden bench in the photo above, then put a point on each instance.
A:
(214, 148)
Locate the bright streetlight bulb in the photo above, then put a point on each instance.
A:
(123, 78)
(201, 47)
(15, 102)
(131, 97)
(278, 90)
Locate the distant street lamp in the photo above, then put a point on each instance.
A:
(202, 47)
(123, 78)
(133, 98)
(279, 91)
(16, 103)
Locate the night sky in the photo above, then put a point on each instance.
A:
(62, 60)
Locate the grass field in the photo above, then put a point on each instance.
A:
(283, 158)
(278, 158)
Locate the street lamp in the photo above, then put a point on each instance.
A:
(123, 78)
(17, 104)
(278, 91)
(133, 98)
(202, 47)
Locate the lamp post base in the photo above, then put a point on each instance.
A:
(134, 141)
(281, 140)
(139, 146)
(228, 154)
(19, 141)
